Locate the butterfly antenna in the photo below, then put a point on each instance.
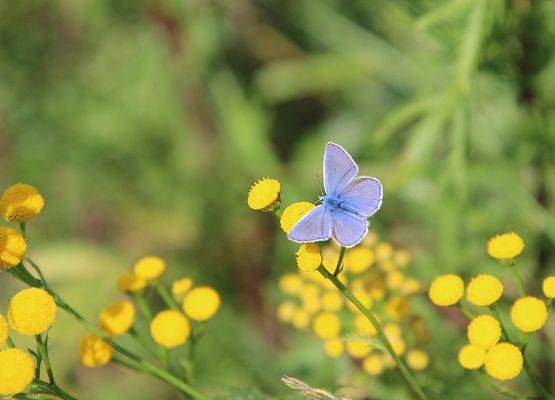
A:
(321, 185)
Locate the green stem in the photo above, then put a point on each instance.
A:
(495, 310)
(381, 335)
(10, 342)
(43, 351)
(143, 306)
(141, 340)
(338, 267)
(490, 382)
(518, 280)
(166, 296)
(464, 309)
(51, 388)
(22, 229)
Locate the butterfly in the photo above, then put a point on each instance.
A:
(346, 206)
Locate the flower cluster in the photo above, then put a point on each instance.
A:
(489, 345)
(375, 272)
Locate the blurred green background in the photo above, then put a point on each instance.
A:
(143, 123)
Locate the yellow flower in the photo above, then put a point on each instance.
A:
(402, 258)
(549, 287)
(311, 304)
(398, 345)
(308, 257)
(504, 361)
(364, 297)
(293, 213)
(332, 301)
(17, 371)
(529, 314)
(201, 303)
(309, 290)
(117, 318)
(363, 326)
(264, 195)
(484, 331)
(394, 280)
(384, 251)
(94, 352)
(417, 359)
(446, 290)
(326, 325)
(472, 356)
(358, 348)
(3, 330)
(484, 290)
(290, 284)
(129, 282)
(358, 260)
(181, 286)
(411, 286)
(149, 268)
(286, 310)
(170, 328)
(392, 331)
(373, 365)
(300, 319)
(506, 246)
(398, 307)
(31, 311)
(12, 247)
(334, 347)
(21, 203)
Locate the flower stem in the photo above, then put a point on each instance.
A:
(518, 280)
(490, 382)
(464, 309)
(143, 306)
(381, 335)
(52, 388)
(339, 267)
(43, 351)
(166, 296)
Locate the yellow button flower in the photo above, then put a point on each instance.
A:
(384, 251)
(300, 319)
(359, 259)
(506, 246)
(94, 352)
(358, 348)
(402, 258)
(373, 365)
(417, 359)
(363, 296)
(181, 287)
(484, 290)
(17, 370)
(529, 314)
(311, 304)
(394, 280)
(548, 287)
(363, 326)
(12, 247)
(129, 282)
(446, 290)
(332, 301)
(293, 213)
(398, 307)
(117, 318)
(286, 310)
(290, 284)
(326, 325)
(484, 331)
(3, 330)
(149, 268)
(504, 361)
(264, 195)
(334, 347)
(308, 257)
(472, 356)
(411, 286)
(201, 303)
(31, 311)
(170, 328)
(21, 203)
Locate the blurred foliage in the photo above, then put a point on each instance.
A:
(144, 122)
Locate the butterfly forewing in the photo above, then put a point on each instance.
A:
(339, 169)
(313, 227)
(363, 195)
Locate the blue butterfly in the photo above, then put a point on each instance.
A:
(347, 205)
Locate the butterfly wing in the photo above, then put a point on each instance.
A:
(313, 227)
(347, 229)
(363, 196)
(339, 168)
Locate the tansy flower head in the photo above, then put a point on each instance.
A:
(149, 268)
(12, 247)
(181, 286)
(334, 347)
(264, 195)
(402, 258)
(384, 251)
(529, 314)
(484, 290)
(548, 287)
(129, 282)
(398, 307)
(506, 246)
(308, 257)
(290, 284)
(293, 213)
(472, 356)
(311, 304)
(94, 352)
(504, 361)
(358, 348)
(31, 311)
(363, 326)
(417, 359)
(3, 330)
(326, 325)
(301, 319)
(170, 328)
(364, 297)
(21, 203)
(17, 371)
(359, 259)
(484, 331)
(373, 365)
(332, 301)
(117, 318)
(201, 303)
(446, 290)
(286, 310)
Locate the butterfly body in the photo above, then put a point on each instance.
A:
(348, 203)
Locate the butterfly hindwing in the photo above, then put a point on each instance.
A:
(348, 229)
(339, 168)
(313, 227)
(363, 195)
